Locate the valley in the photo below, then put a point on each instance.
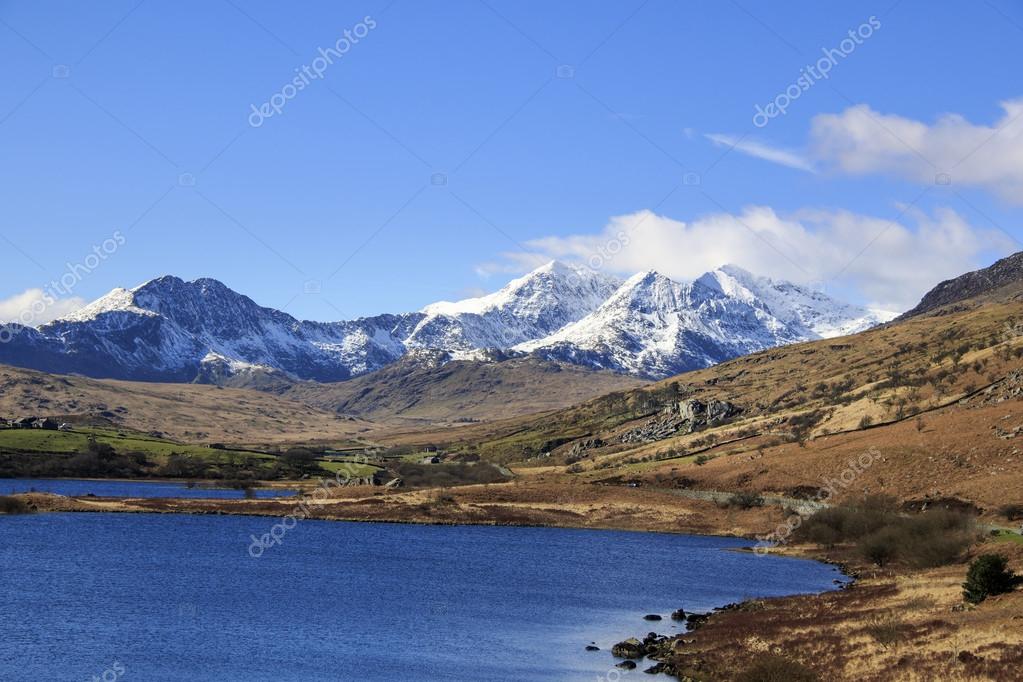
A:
(920, 415)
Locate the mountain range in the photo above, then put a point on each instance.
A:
(648, 326)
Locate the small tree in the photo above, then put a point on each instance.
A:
(988, 575)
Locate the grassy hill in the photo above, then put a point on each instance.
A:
(460, 391)
(937, 395)
(179, 412)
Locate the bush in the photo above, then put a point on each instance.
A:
(1013, 512)
(881, 546)
(745, 500)
(988, 575)
(702, 459)
(880, 535)
(13, 505)
(446, 475)
(774, 668)
(886, 629)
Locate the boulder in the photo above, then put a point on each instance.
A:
(678, 614)
(652, 616)
(591, 647)
(695, 620)
(630, 648)
(626, 665)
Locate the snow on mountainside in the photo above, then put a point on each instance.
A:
(168, 329)
(536, 305)
(172, 330)
(813, 310)
(654, 327)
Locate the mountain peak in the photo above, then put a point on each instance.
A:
(169, 329)
(1001, 279)
(118, 299)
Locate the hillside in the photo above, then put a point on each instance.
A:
(940, 401)
(1001, 281)
(459, 391)
(185, 412)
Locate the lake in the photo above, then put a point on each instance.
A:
(172, 597)
(101, 488)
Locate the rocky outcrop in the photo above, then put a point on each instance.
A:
(695, 620)
(630, 648)
(686, 416)
(1006, 272)
(698, 414)
(581, 446)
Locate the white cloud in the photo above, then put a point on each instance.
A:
(886, 264)
(34, 307)
(860, 141)
(515, 262)
(760, 150)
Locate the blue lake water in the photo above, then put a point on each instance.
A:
(173, 597)
(77, 488)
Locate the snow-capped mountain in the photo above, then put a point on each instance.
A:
(814, 311)
(530, 307)
(655, 327)
(172, 330)
(168, 329)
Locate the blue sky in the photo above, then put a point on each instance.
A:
(457, 143)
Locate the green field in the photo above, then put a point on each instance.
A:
(71, 442)
(23, 451)
(1007, 536)
(350, 469)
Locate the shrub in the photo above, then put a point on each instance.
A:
(988, 575)
(702, 459)
(880, 535)
(446, 475)
(886, 629)
(881, 546)
(745, 500)
(774, 668)
(1013, 512)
